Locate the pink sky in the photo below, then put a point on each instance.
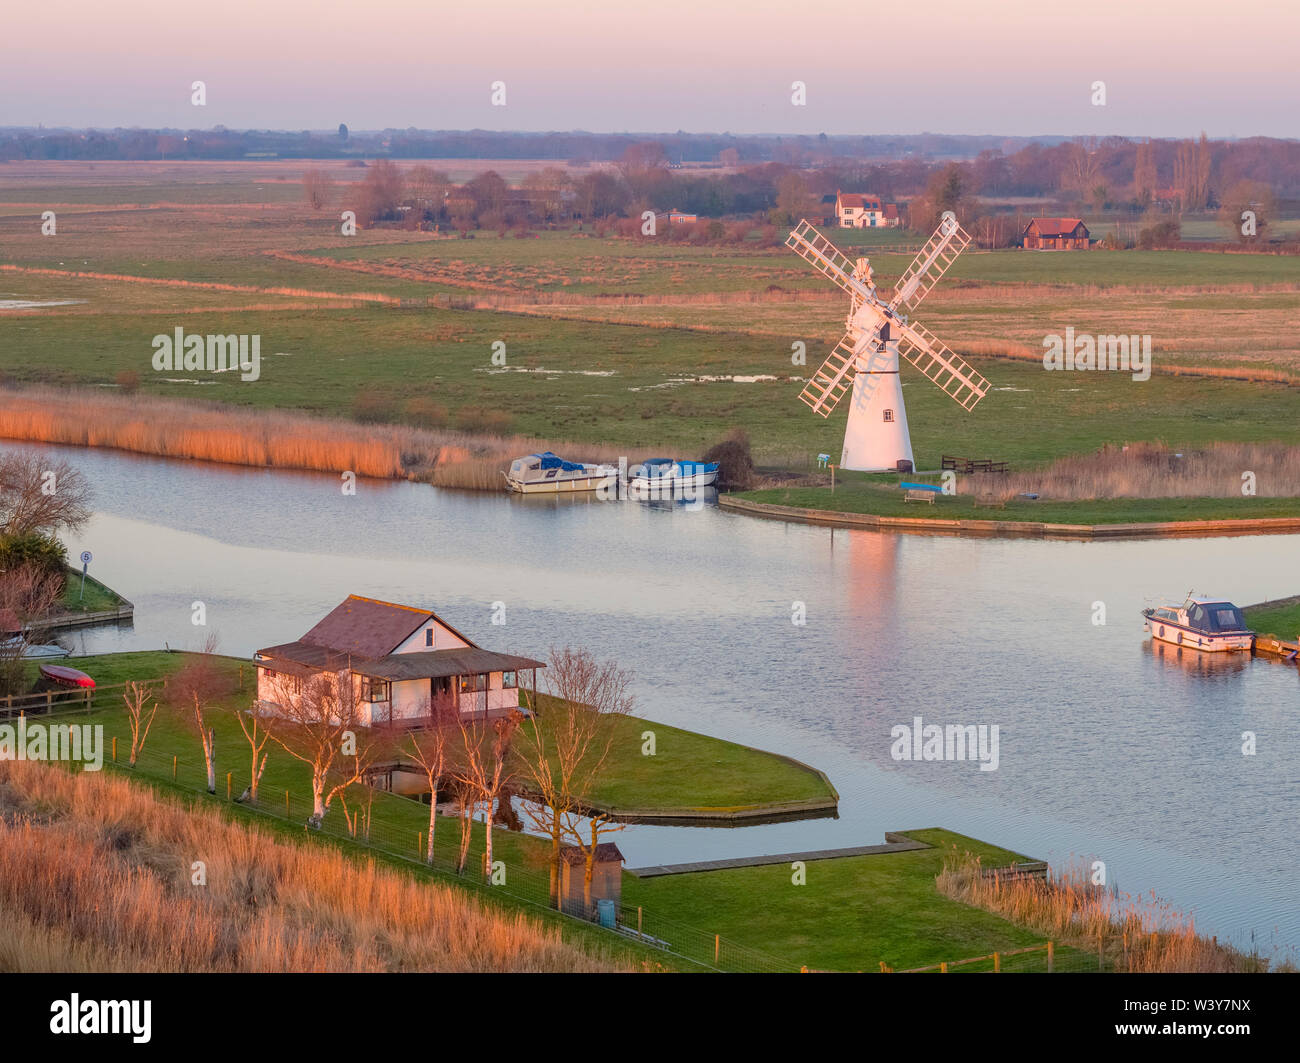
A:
(959, 66)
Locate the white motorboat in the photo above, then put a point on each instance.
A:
(1209, 624)
(547, 473)
(670, 478)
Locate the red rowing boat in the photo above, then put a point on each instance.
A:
(66, 677)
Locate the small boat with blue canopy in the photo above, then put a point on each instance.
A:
(549, 473)
(666, 477)
(1209, 624)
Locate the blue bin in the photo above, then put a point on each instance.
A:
(605, 914)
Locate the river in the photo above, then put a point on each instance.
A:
(1109, 748)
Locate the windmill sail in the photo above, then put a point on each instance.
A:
(948, 241)
(808, 243)
(950, 373)
(827, 386)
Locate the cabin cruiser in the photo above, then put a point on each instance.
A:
(549, 473)
(1209, 624)
(667, 478)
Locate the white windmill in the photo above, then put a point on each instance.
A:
(878, 333)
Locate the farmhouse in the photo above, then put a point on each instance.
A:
(675, 217)
(865, 212)
(1056, 234)
(399, 660)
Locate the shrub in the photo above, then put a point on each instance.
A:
(45, 552)
(735, 462)
(425, 413)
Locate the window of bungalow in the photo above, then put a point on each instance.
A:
(508, 680)
(428, 636)
(469, 684)
(374, 689)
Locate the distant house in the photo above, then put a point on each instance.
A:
(398, 660)
(1056, 234)
(865, 211)
(675, 217)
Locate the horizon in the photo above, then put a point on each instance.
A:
(133, 67)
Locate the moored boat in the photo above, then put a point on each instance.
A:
(667, 477)
(551, 474)
(66, 677)
(1208, 624)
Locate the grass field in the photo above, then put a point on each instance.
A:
(609, 342)
(1280, 618)
(94, 598)
(689, 771)
(893, 908)
(882, 908)
(883, 501)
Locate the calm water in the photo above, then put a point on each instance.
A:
(1109, 749)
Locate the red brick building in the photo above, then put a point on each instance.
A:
(1056, 234)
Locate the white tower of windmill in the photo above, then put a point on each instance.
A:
(867, 357)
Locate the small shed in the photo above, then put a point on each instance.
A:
(606, 878)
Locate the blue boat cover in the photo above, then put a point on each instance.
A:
(554, 461)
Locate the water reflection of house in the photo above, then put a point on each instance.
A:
(400, 660)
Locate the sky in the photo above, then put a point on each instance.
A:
(1015, 67)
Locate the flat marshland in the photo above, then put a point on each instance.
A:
(97, 874)
(612, 346)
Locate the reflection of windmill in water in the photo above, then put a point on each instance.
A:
(878, 333)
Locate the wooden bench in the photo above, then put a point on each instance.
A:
(919, 496)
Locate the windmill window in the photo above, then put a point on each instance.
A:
(889, 415)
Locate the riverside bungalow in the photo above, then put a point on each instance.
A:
(400, 659)
(1056, 234)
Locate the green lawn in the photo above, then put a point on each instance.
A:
(94, 599)
(852, 913)
(1280, 618)
(689, 771)
(866, 496)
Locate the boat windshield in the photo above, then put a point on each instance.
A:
(1217, 616)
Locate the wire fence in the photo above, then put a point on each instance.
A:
(397, 826)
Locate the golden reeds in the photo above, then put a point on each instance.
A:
(1152, 470)
(97, 874)
(1141, 934)
(173, 428)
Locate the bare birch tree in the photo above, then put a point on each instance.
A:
(256, 726)
(485, 770)
(322, 728)
(139, 698)
(428, 748)
(567, 744)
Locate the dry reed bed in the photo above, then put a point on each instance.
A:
(1152, 470)
(211, 286)
(96, 875)
(172, 428)
(1141, 935)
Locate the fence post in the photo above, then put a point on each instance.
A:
(419, 843)
(173, 767)
(1051, 957)
(228, 774)
(997, 963)
(115, 749)
(943, 967)
(717, 948)
(286, 803)
(638, 921)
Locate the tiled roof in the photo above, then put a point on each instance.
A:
(304, 658)
(1055, 226)
(365, 627)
